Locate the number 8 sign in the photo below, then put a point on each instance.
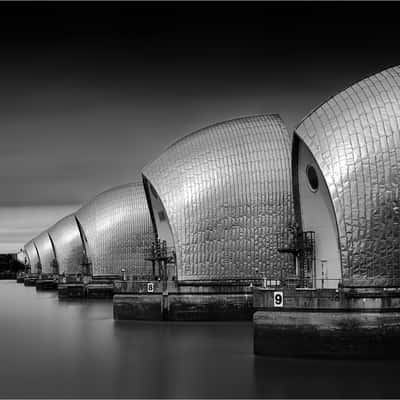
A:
(278, 299)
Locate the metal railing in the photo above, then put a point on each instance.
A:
(301, 283)
(160, 251)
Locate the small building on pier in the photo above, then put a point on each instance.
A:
(217, 198)
(346, 170)
(346, 188)
(220, 196)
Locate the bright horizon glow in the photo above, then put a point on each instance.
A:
(18, 225)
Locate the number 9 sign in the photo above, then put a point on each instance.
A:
(278, 299)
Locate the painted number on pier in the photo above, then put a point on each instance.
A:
(150, 287)
(278, 299)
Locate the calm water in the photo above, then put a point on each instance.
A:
(52, 348)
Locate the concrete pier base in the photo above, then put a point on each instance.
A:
(182, 302)
(333, 334)
(30, 280)
(210, 307)
(138, 307)
(97, 287)
(331, 323)
(96, 290)
(183, 307)
(71, 290)
(101, 286)
(46, 284)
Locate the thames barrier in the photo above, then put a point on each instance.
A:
(243, 220)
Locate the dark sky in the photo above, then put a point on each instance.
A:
(91, 92)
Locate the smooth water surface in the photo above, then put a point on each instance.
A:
(52, 348)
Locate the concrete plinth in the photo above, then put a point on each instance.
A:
(46, 284)
(138, 307)
(99, 290)
(347, 322)
(363, 299)
(176, 302)
(71, 290)
(331, 334)
(210, 307)
(30, 281)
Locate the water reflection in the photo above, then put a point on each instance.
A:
(52, 348)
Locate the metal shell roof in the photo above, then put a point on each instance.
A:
(45, 251)
(68, 245)
(117, 226)
(227, 191)
(32, 254)
(355, 138)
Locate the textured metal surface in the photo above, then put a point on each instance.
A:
(32, 254)
(226, 190)
(118, 229)
(68, 245)
(45, 250)
(355, 138)
(22, 257)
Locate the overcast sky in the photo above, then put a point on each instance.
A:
(90, 93)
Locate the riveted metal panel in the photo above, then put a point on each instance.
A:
(226, 190)
(118, 229)
(32, 254)
(355, 138)
(45, 251)
(68, 245)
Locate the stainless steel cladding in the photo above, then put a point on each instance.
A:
(355, 140)
(68, 245)
(22, 257)
(33, 257)
(45, 251)
(118, 230)
(224, 193)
